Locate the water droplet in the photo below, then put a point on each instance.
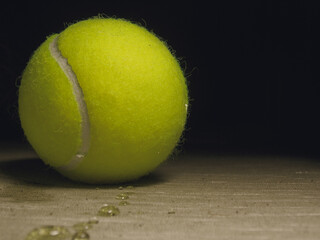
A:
(123, 203)
(83, 226)
(122, 196)
(108, 211)
(186, 105)
(120, 188)
(93, 220)
(82, 235)
(129, 193)
(54, 233)
(49, 233)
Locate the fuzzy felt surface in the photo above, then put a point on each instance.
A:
(134, 90)
(48, 111)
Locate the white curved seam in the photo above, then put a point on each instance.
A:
(79, 97)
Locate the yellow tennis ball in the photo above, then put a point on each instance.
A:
(103, 101)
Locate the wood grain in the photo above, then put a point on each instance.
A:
(193, 196)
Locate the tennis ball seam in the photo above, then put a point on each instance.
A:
(82, 106)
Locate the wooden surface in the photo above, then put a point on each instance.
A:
(191, 197)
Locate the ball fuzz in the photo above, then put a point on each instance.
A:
(104, 101)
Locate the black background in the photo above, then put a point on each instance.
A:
(252, 68)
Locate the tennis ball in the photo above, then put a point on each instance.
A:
(104, 101)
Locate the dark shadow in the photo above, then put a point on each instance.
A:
(34, 172)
